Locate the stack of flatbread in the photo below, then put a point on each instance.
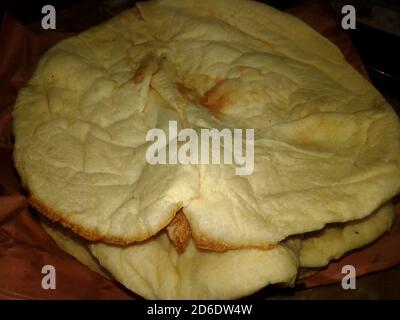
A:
(326, 149)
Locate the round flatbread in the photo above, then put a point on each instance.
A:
(155, 270)
(326, 143)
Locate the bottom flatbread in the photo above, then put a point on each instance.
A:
(332, 242)
(155, 270)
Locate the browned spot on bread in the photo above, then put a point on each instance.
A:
(179, 232)
(221, 95)
(241, 70)
(138, 76)
(213, 99)
(88, 234)
(186, 91)
(202, 242)
(148, 65)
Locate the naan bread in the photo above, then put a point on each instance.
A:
(155, 270)
(332, 242)
(326, 142)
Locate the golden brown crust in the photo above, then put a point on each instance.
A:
(178, 232)
(202, 242)
(90, 234)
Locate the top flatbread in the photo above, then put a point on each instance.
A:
(326, 142)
